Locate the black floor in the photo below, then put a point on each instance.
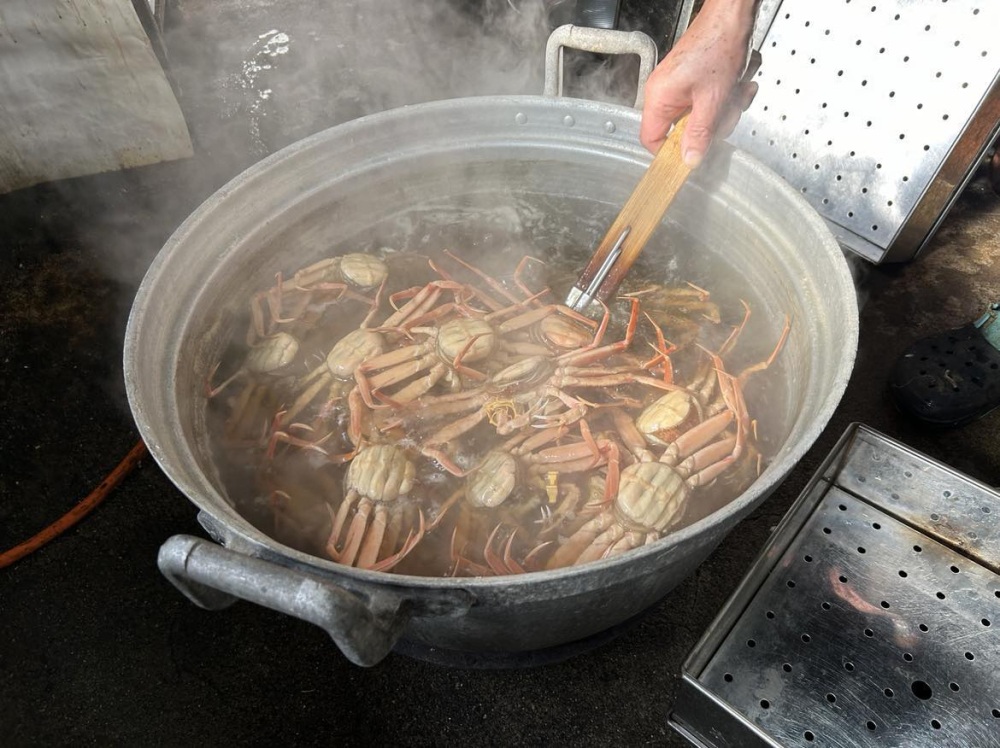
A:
(96, 648)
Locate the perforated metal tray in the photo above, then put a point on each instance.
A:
(878, 111)
(870, 619)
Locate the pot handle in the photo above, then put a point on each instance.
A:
(364, 628)
(602, 41)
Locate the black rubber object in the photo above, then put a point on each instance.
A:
(948, 380)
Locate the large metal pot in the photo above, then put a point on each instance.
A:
(542, 169)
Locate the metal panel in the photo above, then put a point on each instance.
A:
(83, 92)
(862, 623)
(878, 112)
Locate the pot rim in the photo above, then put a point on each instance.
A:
(740, 506)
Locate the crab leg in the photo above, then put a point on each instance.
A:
(412, 539)
(533, 316)
(631, 436)
(498, 564)
(492, 303)
(338, 520)
(376, 304)
(629, 540)
(519, 271)
(356, 533)
(663, 350)
(432, 447)
(711, 462)
(585, 540)
(596, 353)
(697, 437)
(422, 301)
(491, 282)
(372, 539)
(737, 331)
(310, 393)
(745, 374)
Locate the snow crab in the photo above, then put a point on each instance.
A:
(379, 480)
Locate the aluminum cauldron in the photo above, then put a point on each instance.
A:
(538, 170)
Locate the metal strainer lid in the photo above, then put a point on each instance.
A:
(870, 619)
(878, 112)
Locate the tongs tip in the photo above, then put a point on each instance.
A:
(579, 299)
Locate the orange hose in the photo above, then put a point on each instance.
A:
(81, 510)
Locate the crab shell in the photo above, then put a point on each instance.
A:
(272, 353)
(473, 339)
(493, 481)
(351, 350)
(363, 271)
(651, 496)
(659, 421)
(381, 472)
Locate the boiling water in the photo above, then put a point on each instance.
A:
(291, 491)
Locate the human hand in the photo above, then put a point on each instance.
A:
(702, 73)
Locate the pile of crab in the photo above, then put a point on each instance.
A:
(473, 425)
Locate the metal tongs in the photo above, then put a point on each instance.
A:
(640, 216)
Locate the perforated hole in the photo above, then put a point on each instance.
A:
(921, 689)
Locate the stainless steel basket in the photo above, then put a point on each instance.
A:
(870, 619)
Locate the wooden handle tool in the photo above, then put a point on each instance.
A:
(641, 215)
(636, 222)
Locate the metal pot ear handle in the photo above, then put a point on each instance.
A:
(365, 628)
(602, 41)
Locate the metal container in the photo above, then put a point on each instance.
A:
(868, 619)
(533, 169)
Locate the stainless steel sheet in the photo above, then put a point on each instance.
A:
(863, 623)
(82, 93)
(877, 112)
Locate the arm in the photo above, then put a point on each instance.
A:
(702, 73)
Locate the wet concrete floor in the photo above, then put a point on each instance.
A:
(96, 647)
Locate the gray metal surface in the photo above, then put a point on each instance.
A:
(877, 112)
(83, 93)
(495, 159)
(365, 627)
(869, 620)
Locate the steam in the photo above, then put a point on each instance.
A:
(251, 83)
(305, 72)
(348, 60)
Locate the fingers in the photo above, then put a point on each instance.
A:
(706, 110)
(739, 103)
(709, 120)
(744, 95)
(658, 116)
